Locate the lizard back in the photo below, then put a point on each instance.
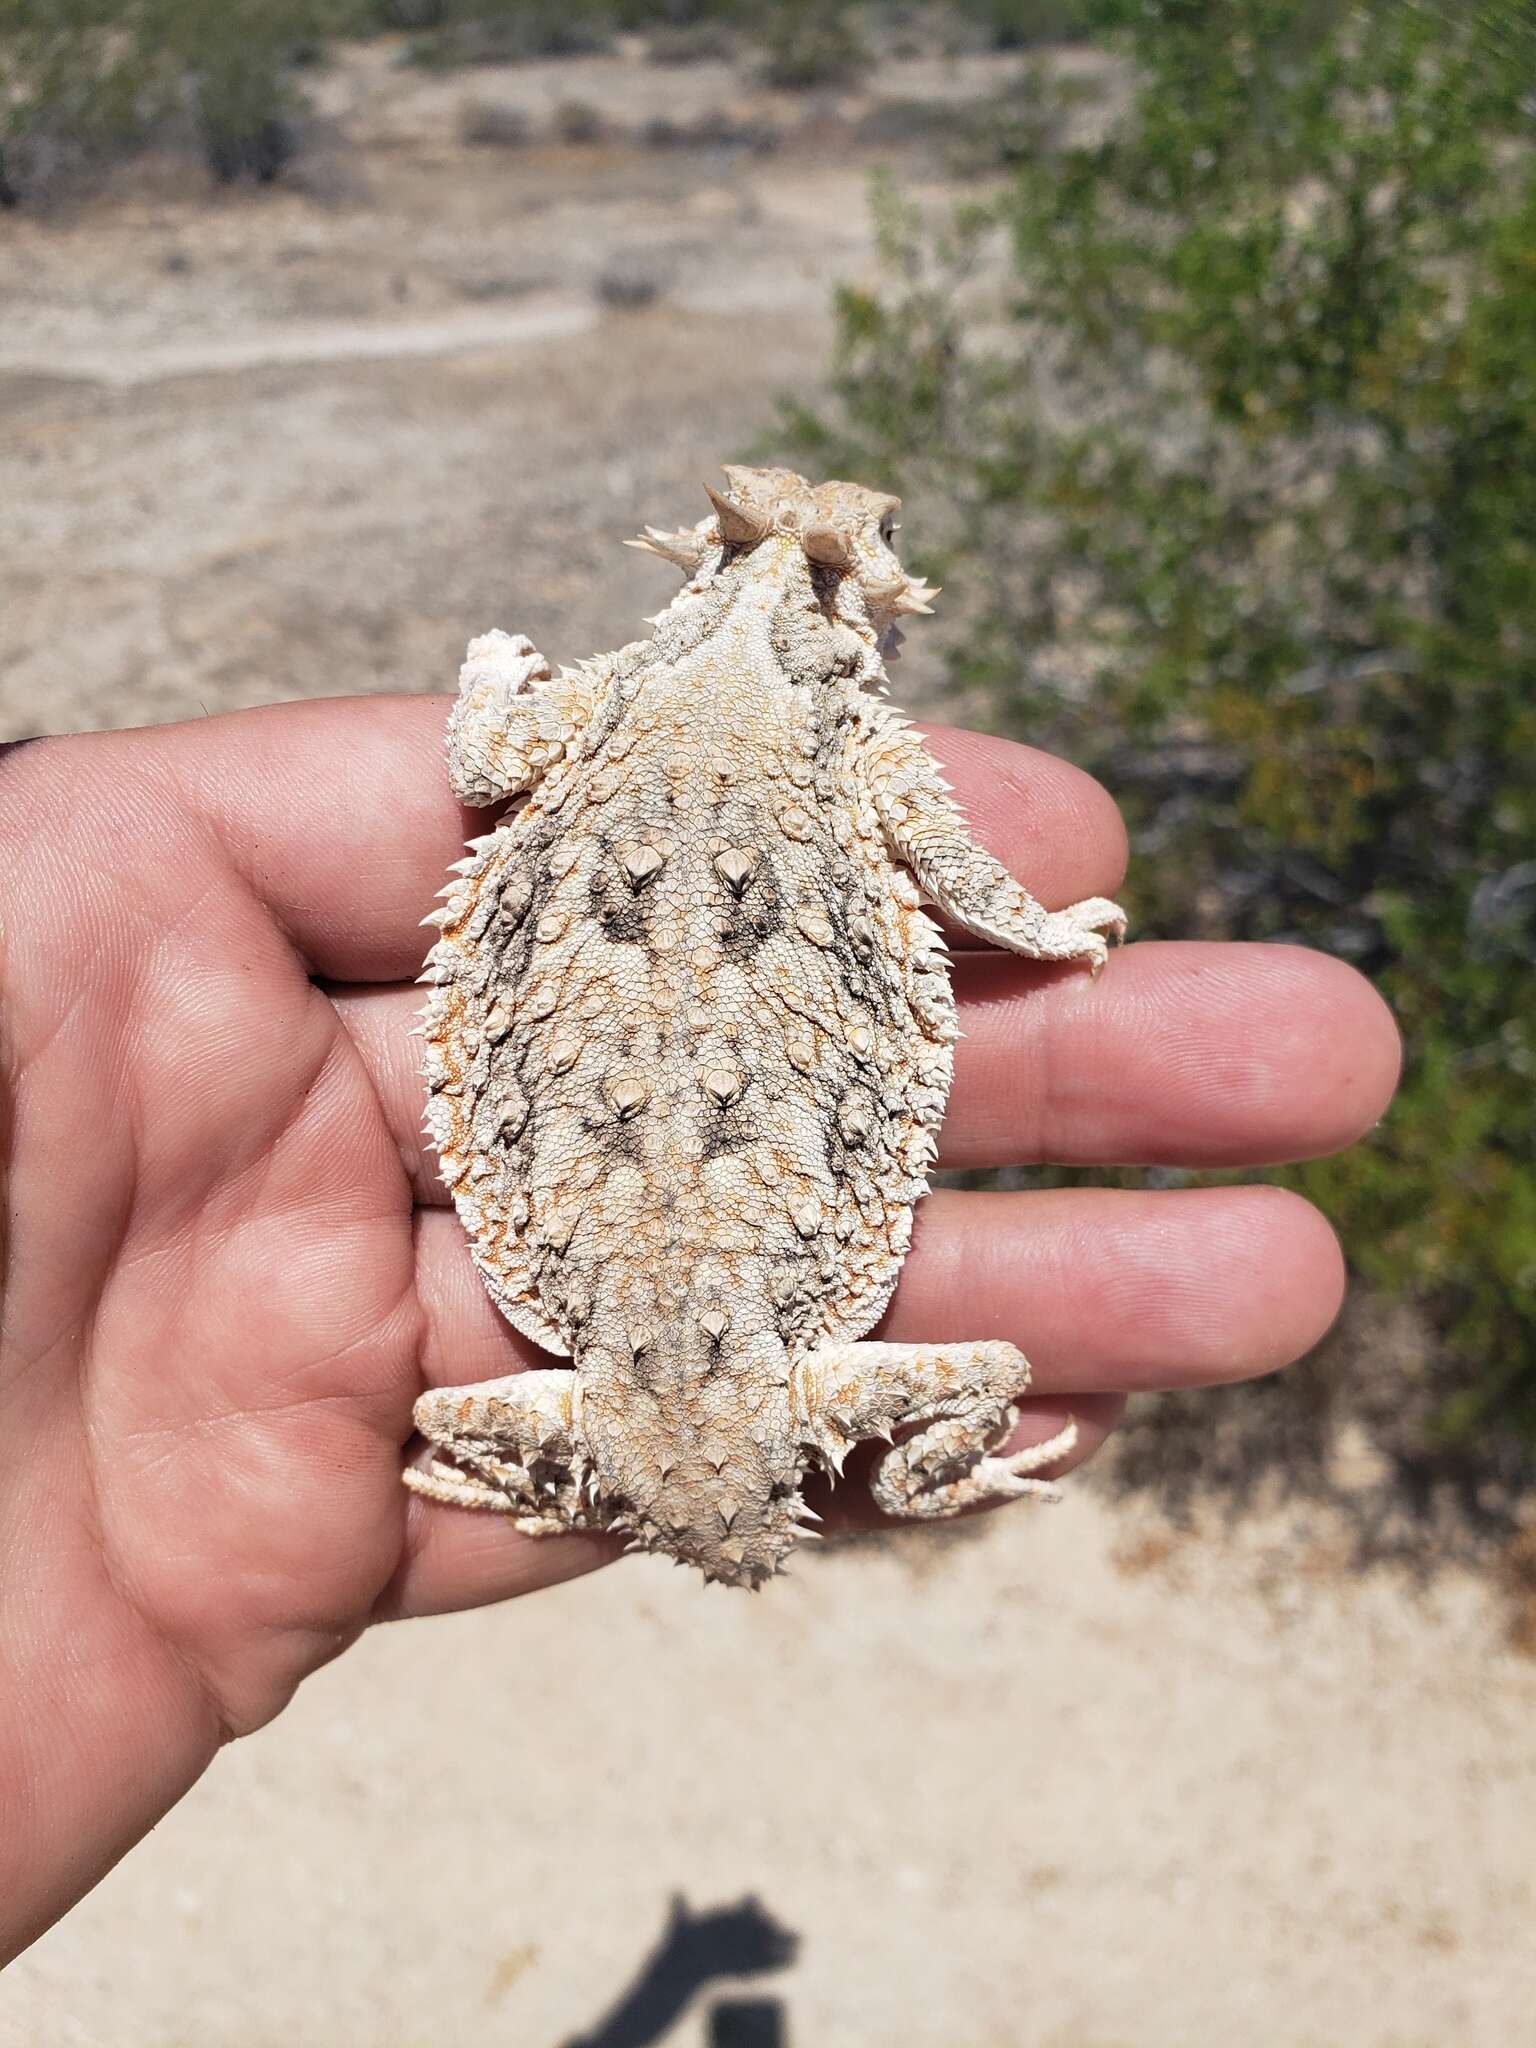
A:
(687, 1053)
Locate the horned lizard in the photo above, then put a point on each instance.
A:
(689, 1046)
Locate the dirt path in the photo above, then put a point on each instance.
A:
(318, 346)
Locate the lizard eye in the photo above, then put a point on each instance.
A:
(888, 527)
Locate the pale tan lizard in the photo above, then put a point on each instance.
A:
(689, 1047)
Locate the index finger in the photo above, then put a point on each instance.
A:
(338, 813)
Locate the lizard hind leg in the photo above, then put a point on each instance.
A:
(953, 1403)
(511, 1446)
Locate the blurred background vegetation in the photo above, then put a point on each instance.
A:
(1231, 413)
(85, 82)
(1218, 408)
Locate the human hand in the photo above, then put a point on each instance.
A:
(230, 1268)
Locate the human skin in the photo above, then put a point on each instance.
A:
(230, 1268)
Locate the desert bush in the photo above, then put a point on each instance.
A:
(259, 149)
(1232, 416)
(646, 15)
(69, 90)
(492, 124)
(237, 73)
(627, 285)
(975, 138)
(660, 131)
(896, 123)
(85, 82)
(712, 129)
(693, 42)
(577, 121)
(1030, 122)
(805, 43)
(72, 94)
(514, 31)
(1024, 24)
(410, 15)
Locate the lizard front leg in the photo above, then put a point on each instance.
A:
(956, 1400)
(924, 829)
(512, 1446)
(513, 718)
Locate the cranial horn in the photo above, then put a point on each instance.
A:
(741, 527)
(918, 597)
(685, 548)
(903, 594)
(826, 545)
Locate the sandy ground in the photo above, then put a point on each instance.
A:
(1049, 1786)
(1058, 1782)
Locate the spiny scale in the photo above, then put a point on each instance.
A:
(689, 1042)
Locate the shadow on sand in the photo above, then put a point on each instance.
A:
(695, 1950)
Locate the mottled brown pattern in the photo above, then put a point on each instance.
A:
(689, 1047)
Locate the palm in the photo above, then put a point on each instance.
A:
(254, 1334)
(230, 1269)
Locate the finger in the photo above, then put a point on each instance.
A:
(1197, 1055)
(1104, 1291)
(1051, 825)
(454, 1558)
(382, 1023)
(1131, 1292)
(1194, 1055)
(339, 814)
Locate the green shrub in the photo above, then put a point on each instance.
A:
(492, 124)
(1023, 24)
(648, 15)
(692, 42)
(1233, 419)
(410, 15)
(807, 43)
(514, 31)
(83, 82)
(70, 93)
(577, 122)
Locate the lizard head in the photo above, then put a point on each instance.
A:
(845, 530)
